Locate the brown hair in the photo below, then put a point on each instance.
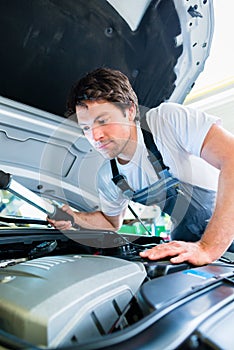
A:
(102, 84)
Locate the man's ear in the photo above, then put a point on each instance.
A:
(132, 112)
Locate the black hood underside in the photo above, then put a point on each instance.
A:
(47, 45)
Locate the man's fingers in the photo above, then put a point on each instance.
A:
(63, 225)
(60, 225)
(179, 251)
(180, 258)
(155, 254)
(163, 250)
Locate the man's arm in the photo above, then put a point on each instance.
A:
(218, 150)
(93, 220)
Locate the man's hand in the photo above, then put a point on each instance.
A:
(179, 251)
(62, 224)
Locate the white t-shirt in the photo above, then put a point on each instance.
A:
(179, 133)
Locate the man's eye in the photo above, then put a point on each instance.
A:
(102, 121)
(86, 128)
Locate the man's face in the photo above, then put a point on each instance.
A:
(109, 129)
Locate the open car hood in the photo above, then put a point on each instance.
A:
(161, 46)
(89, 289)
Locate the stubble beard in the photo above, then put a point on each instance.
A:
(118, 150)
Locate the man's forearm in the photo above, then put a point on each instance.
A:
(94, 220)
(220, 230)
(216, 241)
(218, 150)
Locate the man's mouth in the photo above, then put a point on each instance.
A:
(101, 146)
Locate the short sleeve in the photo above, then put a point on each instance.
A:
(187, 125)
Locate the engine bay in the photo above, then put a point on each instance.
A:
(66, 299)
(57, 292)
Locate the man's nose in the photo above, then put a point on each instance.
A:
(97, 133)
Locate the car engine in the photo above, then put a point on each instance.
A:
(62, 300)
(56, 293)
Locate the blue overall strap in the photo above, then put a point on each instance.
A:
(154, 156)
(120, 180)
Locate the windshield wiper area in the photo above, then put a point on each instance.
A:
(19, 220)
